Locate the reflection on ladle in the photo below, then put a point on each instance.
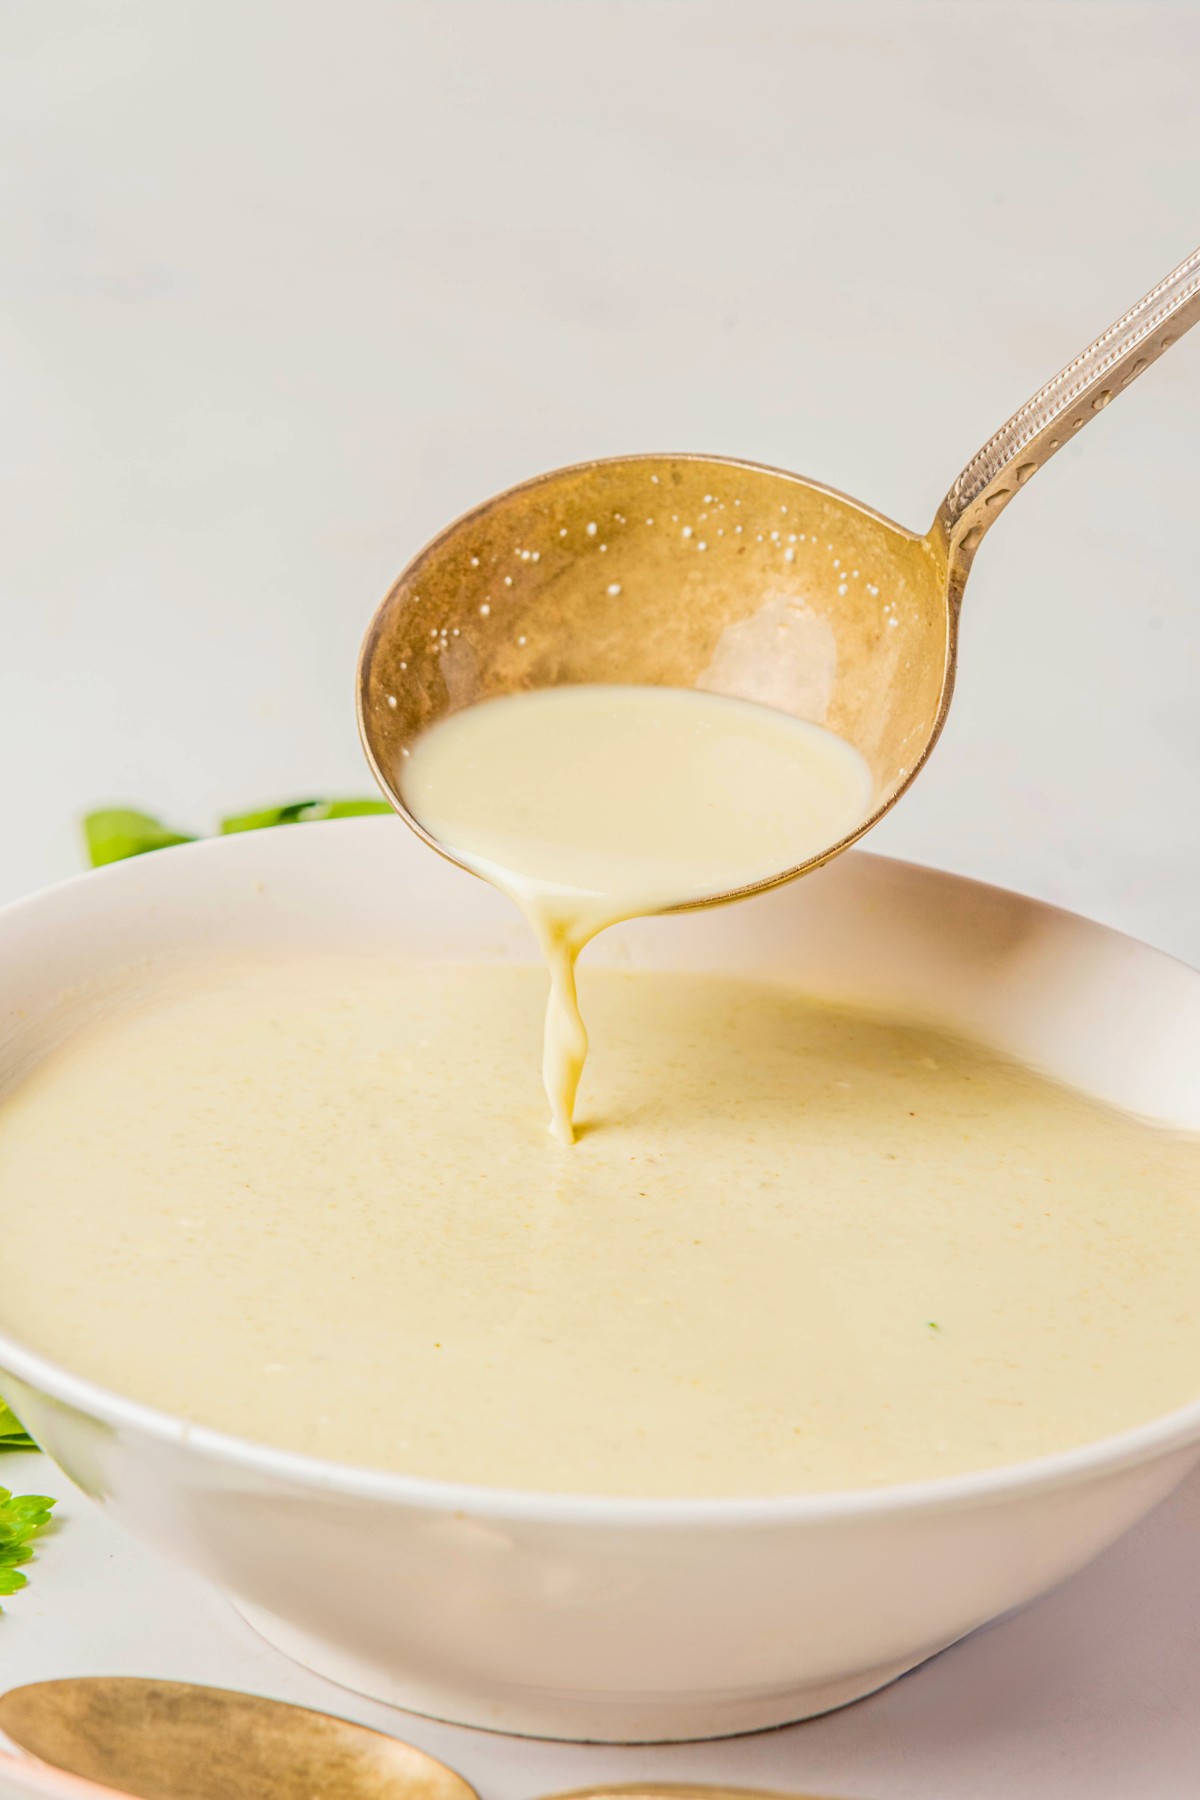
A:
(702, 573)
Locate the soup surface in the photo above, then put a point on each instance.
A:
(795, 1248)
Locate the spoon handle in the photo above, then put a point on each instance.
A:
(1056, 412)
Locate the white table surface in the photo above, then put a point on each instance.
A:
(286, 285)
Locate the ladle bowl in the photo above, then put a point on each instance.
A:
(699, 571)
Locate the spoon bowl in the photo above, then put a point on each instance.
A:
(168, 1740)
(706, 572)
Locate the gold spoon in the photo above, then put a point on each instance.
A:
(698, 571)
(171, 1740)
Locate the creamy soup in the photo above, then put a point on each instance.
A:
(794, 1249)
(589, 804)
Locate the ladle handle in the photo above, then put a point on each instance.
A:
(1056, 412)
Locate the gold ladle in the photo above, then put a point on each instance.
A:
(700, 571)
(169, 1740)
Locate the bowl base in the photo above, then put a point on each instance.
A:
(565, 1716)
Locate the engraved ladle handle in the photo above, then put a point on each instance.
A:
(1058, 410)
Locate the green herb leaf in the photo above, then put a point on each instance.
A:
(13, 1435)
(292, 813)
(301, 812)
(116, 832)
(29, 1512)
(21, 1519)
(352, 809)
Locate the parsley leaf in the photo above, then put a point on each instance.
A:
(118, 831)
(13, 1435)
(115, 832)
(301, 812)
(21, 1518)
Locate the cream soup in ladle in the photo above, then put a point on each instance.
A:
(593, 804)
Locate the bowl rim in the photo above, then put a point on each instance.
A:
(1158, 1437)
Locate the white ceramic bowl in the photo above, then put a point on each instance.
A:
(605, 1618)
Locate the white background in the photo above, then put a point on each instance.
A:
(287, 285)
